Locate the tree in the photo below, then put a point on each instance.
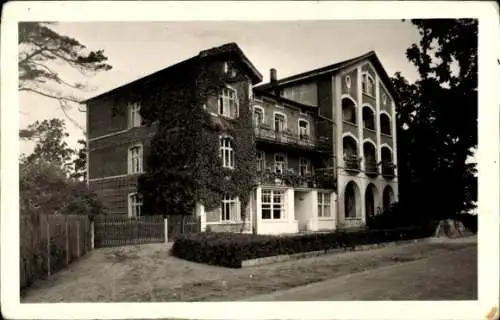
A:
(41, 51)
(50, 146)
(80, 162)
(437, 118)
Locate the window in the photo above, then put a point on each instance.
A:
(279, 122)
(134, 115)
(258, 116)
(367, 84)
(135, 159)
(324, 205)
(225, 67)
(279, 162)
(228, 103)
(304, 166)
(348, 82)
(261, 161)
(227, 152)
(230, 209)
(304, 129)
(134, 205)
(273, 204)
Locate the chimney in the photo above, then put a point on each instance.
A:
(273, 75)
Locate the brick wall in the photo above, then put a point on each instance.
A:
(113, 192)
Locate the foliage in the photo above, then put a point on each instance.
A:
(230, 249)
(42, 51)
(400, 215)
(80, 162)
(437, 119)
(184, 166)
(45, 188)
(50, 146)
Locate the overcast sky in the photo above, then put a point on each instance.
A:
(136, 49)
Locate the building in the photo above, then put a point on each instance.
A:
(325, 142)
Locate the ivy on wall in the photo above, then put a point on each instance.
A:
(183, 166)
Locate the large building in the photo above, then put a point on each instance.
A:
(325, 142)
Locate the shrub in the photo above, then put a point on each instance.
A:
(400, 215)
(231, 249)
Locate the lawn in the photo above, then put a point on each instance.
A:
(148, 273)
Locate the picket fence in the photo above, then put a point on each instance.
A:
(49, 243)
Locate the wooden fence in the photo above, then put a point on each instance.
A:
(119, 230)
(49, 243)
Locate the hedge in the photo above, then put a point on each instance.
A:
(231, 249)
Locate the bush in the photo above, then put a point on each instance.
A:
(401, 216)
(231, 249)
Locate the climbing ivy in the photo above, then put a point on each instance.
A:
(183, 166)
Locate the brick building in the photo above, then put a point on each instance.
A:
(325, 142)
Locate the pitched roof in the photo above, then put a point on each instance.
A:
(331, 69)
(231, 49)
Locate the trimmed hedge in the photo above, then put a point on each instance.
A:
(231, 249)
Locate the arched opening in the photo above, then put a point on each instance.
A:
(370, 196)
(385, 124)
(370, 156)
(350, 148)
(348, 110)
(351, 200)
(387, 163)
(388, 198)
(368, 118)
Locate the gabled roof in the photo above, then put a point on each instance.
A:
(331, 69)
(229, 49)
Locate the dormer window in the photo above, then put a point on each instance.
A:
(134, 115)
(228, 103)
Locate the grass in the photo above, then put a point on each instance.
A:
(145, 273)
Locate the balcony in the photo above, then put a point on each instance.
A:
(388, 170)
(371, 168)
(352, 163)
(322, 178)
(267, 134)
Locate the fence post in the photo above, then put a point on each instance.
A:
(48, 247)
(78, 238)
(166, 229)
(92, 234)
(67, 240)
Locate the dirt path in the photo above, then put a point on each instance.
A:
(148, 273)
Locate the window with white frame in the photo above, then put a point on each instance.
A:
(324, 205)
(279, 122)
(230, 209)
(135, 159)
(261, 161)
(367, 84)
(279, 162)
(304, 166)
(134, 205)
(258, 115)
(304, 129)
(228, 103)
(227, 152)
(134, 115)
(273, 204)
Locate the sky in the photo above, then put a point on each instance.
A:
(136, 49)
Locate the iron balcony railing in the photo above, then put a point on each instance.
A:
(371, 167)
(388, 169)
(287, 137)
(319, 179)
(352, 163)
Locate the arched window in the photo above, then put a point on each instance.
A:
(348, 110)
(385, 124)
(368, 118)
(367, 84)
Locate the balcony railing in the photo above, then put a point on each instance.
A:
(388, 169)
(320, 179)
(352, 163)
(371, 168)
(286, 137)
